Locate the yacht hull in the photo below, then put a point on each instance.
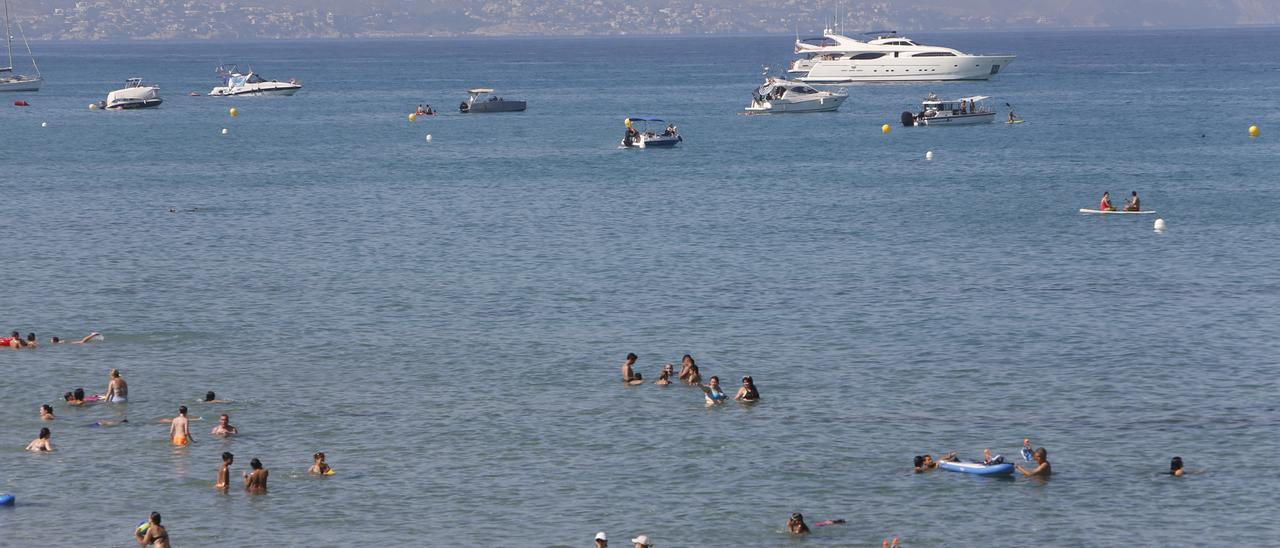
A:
(958, 120)
(820, 104)
(928, 69)
(20, 83)
(135, 104)
(275, 91)
(495, 106)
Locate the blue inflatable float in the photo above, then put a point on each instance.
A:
(1002, 469)
(6, 499)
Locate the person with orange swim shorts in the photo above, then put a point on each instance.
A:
(179, 432)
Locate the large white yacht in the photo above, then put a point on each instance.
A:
(251, 83)
(838, 59)
(134, 95)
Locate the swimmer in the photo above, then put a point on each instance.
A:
(152, 533)
(224, 427)
(602, 540)
(686, 366)
(925, 463)
(46, 412)
(636, 379)
(1175, 467)
(31, 340)
(41, 443)
(825, 523)
(1105, 204)
(179, 428)
(210, 397)
(109, 422)
(664, 378)
(117, 389)
(320, 468)
(669, 370)
(224, 472)
(74, 398)
(712, 392)
(628, 374)
(642, 541)
(14, 340)
(256, 481)
(748, 392)
(796, 524)
(1042, 469)
(88, 338)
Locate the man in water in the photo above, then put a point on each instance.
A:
(210, 397)
(642, 541)
(224, 472)
(796, 524)
(224, 427)
(179, 428)
(256, 481)
(1133, 204)
(1105, 204)
(117, 389)
(1042, 469)
(628, 373)
(152, 533)
(602, 540)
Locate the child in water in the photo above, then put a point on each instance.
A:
(320, 468)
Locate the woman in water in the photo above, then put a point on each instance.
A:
(796, 524)
(117, 389)
(1175, 467)
(712, 391)
(152, 533)
(256, 481)
(41, 443)
(1042, 469)
(664, 378)
(320, 468)
(46, 412)
(748, 392)
(686, 367)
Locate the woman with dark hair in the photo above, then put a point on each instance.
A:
(46, 412)
(713, 393)
(1175, 467)
(41, 443)
(686, 366)
(796, 524)
(748, 392)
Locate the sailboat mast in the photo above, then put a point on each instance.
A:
(8, 36)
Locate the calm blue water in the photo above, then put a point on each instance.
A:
(446, 320)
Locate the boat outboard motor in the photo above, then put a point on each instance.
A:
(908, 119)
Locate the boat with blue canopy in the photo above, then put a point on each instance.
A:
(646, 138)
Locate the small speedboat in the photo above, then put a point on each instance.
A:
(251, 83)
(956, 112)
(134, 95)
(483, 100)
(644, 138)
(778, 95)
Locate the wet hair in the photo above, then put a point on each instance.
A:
(227, 456)
(67, 396)
(55, 340)
(16, 335)
(714, 379)
(115, 373)
(318, 455)
(44, 433)
(1040, 452)
(209, 396)
(796, 516)
(79, 394)
(1175, 464)
(631, 356)
(47, 407)
(664, 375)
(224, 416)
(155, 518)
(255, 464)
(31, 337)
(182, 410)
(637, 377)
(747, 379)
(919, 461)
(687, 357)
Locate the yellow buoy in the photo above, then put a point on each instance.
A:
(233, 112)
(885, 128)
(93, 106)
(1253, 131)
(413, 117)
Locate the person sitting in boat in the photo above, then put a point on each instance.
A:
(1105, 204)
(631, 137)
(1133, 204)
(670, 131)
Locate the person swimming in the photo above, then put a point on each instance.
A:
(664, 378)
(224, 471)
(256, 481)
(1043, 469)
(224, 427)
(46, 412)
(796, 525)
(152, 533)
(925, 463)
(75, 397)
(319, 467)
(179, 428)
(712, 391)
(748, 392)
(31, 340)
(108, 422)
(117, 389)
(41, 443)
(210, 397)
(1105, 204)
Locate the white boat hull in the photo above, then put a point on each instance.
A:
(280, 89)
(920, 69)
(779, 106)
(1101, 212)
(21, 83)
(958, 119)
(134, 97)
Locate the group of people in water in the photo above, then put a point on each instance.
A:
(151, 532)
(1132, 204)
(690, 375)
(15, 340)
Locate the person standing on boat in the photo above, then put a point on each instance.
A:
(1133, 204)
(1105, 204)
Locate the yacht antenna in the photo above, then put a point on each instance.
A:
(8, 37)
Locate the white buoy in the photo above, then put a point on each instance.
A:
(1159, 225)
(44, 124)
(224, 131)
(928, 155)
(428, 137)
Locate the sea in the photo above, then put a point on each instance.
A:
(443, 306)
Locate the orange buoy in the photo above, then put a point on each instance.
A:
(21, 103)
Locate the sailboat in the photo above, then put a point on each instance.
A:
(9, 81)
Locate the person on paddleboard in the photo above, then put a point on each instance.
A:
(1133, 204)
(1105, 204)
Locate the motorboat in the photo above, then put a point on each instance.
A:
(251, 83)
(134, 95)
(778, 95)
(835, 58)
(484, 100)
(956, 112)
(10, 80)
(646, 138)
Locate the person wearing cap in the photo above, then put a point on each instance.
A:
(602, 540)
(642, 541)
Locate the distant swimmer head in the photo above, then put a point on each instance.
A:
(182, 410)
(918, 461)
(16, 335)
(115, 373)
(631, 357)
(68, 396)
(31, 337)
(55, 340)
(687, 359)
(155, 518)
(1175, 465)
(255, 464)
(747, 380)
(319, 456)
(1040, 455)
(210, 396)
(227, 457)
(715, 381)
(79, 394)
(48, 409)
(637, 377)
(44, 433)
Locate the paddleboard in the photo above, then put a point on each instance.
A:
(1101, 212)
(1002, 469)
(1015, 122)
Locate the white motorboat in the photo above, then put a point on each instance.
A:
(483, 100)
(778, 95)
(134, 95)
(645, 138)
(838, 59)
(962, 111)
(9, 80)
(251, 83)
